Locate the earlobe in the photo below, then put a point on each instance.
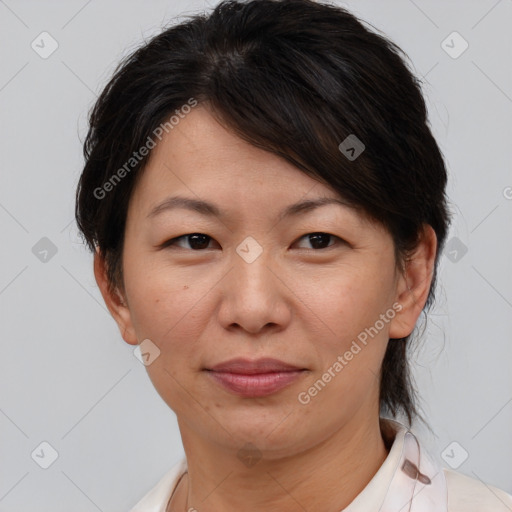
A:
(414, 283)
(114, 300)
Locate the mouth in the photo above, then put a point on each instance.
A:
(251, 379)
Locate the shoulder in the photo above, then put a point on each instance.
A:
(157, 498)
(467, 494)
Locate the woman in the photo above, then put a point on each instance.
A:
(267, 207)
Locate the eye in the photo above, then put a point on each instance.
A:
(199, 241)
(196, 241)
(320, 240)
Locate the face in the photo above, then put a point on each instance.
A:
(252, 281)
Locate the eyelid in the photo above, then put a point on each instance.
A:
(337, 240)
(172, 242)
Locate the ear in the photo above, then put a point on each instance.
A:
(414, 284)
(115, 301)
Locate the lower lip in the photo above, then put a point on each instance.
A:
(262, 384)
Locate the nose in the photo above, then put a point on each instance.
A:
(254, 296)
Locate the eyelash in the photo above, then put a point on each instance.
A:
(171, 243)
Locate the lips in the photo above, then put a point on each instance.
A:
(252, 379)
(248, 367)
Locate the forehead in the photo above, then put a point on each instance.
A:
(201, 158)
(202, 161)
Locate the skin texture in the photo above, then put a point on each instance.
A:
(297, 303)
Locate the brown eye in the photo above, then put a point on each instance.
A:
(196, 241)
(320, 240)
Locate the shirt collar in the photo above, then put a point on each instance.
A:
(408, 480)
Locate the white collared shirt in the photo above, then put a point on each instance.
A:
(409, 480)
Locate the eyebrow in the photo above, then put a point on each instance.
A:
(209, 209)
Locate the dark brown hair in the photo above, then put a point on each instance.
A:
(296, 78)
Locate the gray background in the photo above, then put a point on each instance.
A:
(66, 376)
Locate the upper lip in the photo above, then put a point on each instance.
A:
(248, 367)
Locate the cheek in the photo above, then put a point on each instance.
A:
(345, 302)
(168, 312)
(349, 348)
(165, 306)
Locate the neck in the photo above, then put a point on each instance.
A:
(327, 476)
